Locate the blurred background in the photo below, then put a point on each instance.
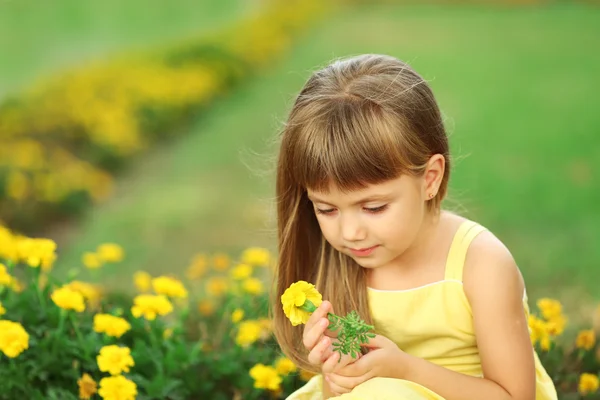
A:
(152, 124)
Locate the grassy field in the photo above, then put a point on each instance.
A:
(516, 86)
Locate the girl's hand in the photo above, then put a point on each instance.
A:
(384, 360)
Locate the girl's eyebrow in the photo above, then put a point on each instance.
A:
(374, 197)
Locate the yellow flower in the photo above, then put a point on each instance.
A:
(2, 309)
(117, 388)
(206, 307)
(549, 308)
(556, 325)
(142, 281)
(220, 261)
(285, 366)
(241, 271)
(13, 338)
(115, 359)
(110, 252)
(265, 377)
(168, 286)
(91, 260)
(586, 339)
(150, 305)
(217, 286)
(68, 299)
(253, 286)
(111, 325)
(248, 333)
(295, 297)
(197, 269)
(87, 387)
(588, 383)
(237, 315)
(256, 256)
(37, 252)
(8, 244)
(5, 278)
(545, 343)
(89, 292)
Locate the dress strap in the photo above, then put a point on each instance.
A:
(455, 263)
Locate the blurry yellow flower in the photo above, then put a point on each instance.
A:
(220, 261)
(168, 286)
(37, 252)
(299, 297)
(8, 244)
(217, 286)
(110, 252)
(588, 383)
(265, 377)
(198, 267)
(556, 325)
(248, 333)
(117, 388)
(241, 271)
(285, 366)
(586, 339)
(68, 299)
(142, 281)
(5, 278)
(256, 256)
(206, 307)
(150, 306)
(90, 292)
(253, 286)
(236, 315)
(87, 387)
(13, 338)
(2, 309)
(16, 285)
(549, 308)
(545, 343)
(115, 359)
(111, 325)
(91, 260)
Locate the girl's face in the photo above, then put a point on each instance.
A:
(375, 225)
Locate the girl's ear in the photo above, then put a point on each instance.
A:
(434, 174)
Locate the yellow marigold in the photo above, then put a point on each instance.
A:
(90, 292)
(68, 299)
(8, 244)
(298, 299)
(2, 309)
(265, 377)
(220, 261)
(111, 325)
(117, 388)
(586, 339)
(588, 383)
(549, 308)
(248, 333)
(87, 387)
(206, 307)
(91, 260)
(236, 315)
(142, 281)
(198, 267)
(37, 252)
(556, 325)
(285, 366)
(150, 305)
(5, 278)
(545, 343)
(110, 252)
(115, 359)
(217, 286)
(13, 338)
(256, 256)
(241, 271)
(168, 286)
(253, 286)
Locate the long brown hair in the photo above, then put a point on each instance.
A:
(361, 120)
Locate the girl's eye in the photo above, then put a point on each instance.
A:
(325, 212)
(375, 210)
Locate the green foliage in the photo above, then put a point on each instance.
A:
(352, 333)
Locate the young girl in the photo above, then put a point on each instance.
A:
(363, 167)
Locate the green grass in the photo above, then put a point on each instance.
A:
(38, 38)
(517, 86)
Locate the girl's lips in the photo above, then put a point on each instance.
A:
(363, 252)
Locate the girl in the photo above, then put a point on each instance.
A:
(363, 167)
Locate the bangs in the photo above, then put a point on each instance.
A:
(355, 144)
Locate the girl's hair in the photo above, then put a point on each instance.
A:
(359, 121)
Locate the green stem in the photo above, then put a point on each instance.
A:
(156, 344)
(79, 336)
(58, 332)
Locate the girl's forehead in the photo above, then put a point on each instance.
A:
(331, 189)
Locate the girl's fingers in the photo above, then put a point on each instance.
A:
(331, 363)
(320, 351)
(335, 388)
(314, 334)
(320, 312)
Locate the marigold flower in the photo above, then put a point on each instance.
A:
(217, 286)
(5, 278)
(142, 281)
(90, 292)
(236, 315)
(68, 299)
(91, 260)
(117, 388)
(549, 308)
(588, 383)
(206, 307)
(220, 261)
(37, 252)
(285, 366)
(265, 377)
(586, 339)
(256, 256)
(168, 286)
(87, 387)
(8, 244)
(110, 252)
(198, 267)
(248, 333)
(111, 325)
(115, 359)
(13, 338)
(241, 271)
(150, 306)
(297, 296)
(253, 286)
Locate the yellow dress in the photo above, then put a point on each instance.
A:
(433, 322)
